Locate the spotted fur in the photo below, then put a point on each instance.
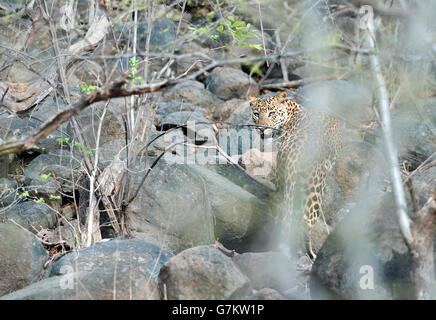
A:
(310, 142)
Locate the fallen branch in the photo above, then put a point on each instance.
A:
(117, 89)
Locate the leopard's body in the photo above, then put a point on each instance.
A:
(310, 142)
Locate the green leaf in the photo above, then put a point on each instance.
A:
(40, 200)
(52, 197)
(257, 46)
(44, 177)
(220, 28)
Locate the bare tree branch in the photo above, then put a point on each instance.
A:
(117, 89)
(391, 150)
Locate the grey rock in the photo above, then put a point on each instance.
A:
(267, 270)
(12, 127)
(228, 83)
(235, 141)
(174, 199)
(414, 131)
(165, 108)
(62, 167)
(238, 214)
(191, 92)
(129, 283)
(424, 185)
(163, 34)
(194, 63)
(368, 240)
(89, 119)
(239, 177)
(202, 273)
(115, 254)
(22, 258)
(118, 269)
(32, 216)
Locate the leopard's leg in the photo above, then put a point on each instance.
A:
(313, 203)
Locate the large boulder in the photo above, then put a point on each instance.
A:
(117, 269)
(365, 257)
(22, 258)
(174, 199)
(202, 273)
(238, 215)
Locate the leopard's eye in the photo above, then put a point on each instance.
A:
(271, 114)
(256, 114)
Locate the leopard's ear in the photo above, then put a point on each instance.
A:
(252, 99)
(281, 95)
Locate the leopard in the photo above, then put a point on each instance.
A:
(309, 143)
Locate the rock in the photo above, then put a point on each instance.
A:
(12, 127)
(115, 254)
(66, 235)
(259, 164)
(260, 188)
(266, 294)
(174, 199)
(228, 83)
(181, 118)
(199, 130)
(71, 287)
(366, 249)
(8, 192)
(89, 119)
(61, 167)
(19, 73)
(163, 34)
(194, 63)
(424, 185)
(117, 269)
(242, 114)
(191, 92)
(32, 216)
(267, 270)
(22, 258)
(161, 140)
(413, 128)
(165, 108)
(213, 273)
(238, 215)
(235, 141)
(225, 110)
(110, 150)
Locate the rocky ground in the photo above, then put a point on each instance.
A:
(198, 224)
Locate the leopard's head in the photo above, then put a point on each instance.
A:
(269, 113)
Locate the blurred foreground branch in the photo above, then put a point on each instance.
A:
(419, 233)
